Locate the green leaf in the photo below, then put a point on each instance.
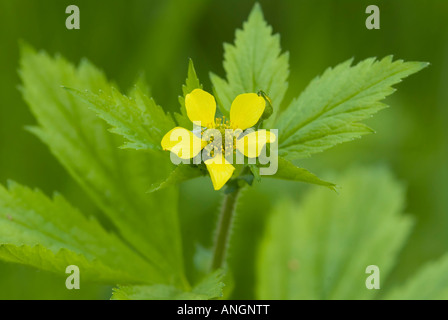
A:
(288, 171)
(321, 248)
(141, 85)
(253, 63)
(330, 109)
(181, 173)
(138, 118)
(209, 288)
(115, 179)
(50, 234)
(255, 171)
(430, 283)
(191, 83)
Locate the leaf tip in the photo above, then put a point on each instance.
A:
(336, 188)
(25, 48)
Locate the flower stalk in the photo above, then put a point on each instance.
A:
(223, 230)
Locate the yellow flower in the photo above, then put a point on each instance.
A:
(245, 112)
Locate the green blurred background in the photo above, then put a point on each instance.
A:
(126, 38)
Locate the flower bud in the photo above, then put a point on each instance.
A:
(268, 110)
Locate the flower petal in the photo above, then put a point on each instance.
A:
(220, 170)
(251, 144)
(201, 106)
(246, 110)
(183, 143)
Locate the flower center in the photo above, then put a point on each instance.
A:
(226, 144)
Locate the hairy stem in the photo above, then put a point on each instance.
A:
(223, 229)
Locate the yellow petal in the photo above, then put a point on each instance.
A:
(246, 110)
(252, 144)
(201, 106)
(220, 170)
(183, 143)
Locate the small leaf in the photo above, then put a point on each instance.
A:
(288, 171)
(255, 171)
(192, 82)
(181, 173)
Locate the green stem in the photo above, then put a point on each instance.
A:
(223, 229)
